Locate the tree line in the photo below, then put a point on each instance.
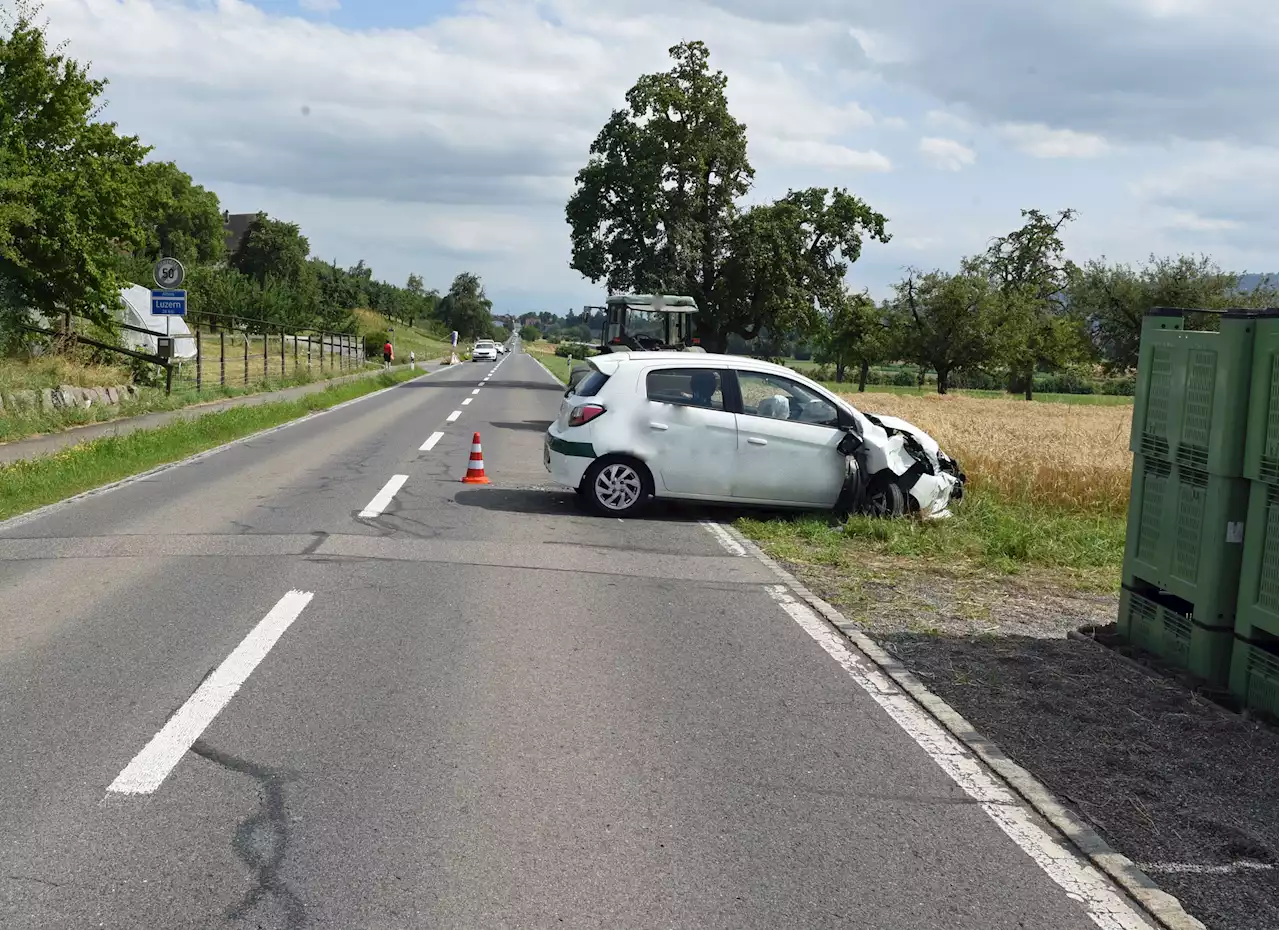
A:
(658, 208)
(84, 213)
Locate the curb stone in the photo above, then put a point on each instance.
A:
(1163, 907)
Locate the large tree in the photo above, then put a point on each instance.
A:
(272, 249)
(1030, 268)
(180, 218)
(948, 322)
(656, 210)
(70, 192)
(466, 308)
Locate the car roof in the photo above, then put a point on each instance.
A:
(614, 360)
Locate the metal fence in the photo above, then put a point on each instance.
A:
(240, 359)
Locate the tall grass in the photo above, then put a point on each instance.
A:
(1063, 457)
(1048, 489)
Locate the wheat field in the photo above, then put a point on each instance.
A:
(1061, 456)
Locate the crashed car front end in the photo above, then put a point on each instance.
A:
(927, 475)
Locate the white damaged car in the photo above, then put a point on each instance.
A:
(728, 429)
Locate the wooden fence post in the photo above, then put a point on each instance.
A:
(246, 357)
(199, 362)
(282, 354)
(222, 358)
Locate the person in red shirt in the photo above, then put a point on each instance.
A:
(386, 355)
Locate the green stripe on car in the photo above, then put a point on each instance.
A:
(580, 449)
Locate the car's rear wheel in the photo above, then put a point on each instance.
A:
(884, 498)
(616, 487)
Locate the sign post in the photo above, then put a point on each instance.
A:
(169, 275)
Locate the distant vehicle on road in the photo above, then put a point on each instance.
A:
(484, 351)
(729, 429)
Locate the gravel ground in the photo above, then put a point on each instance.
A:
(1182, 787)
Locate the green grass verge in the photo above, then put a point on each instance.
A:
(557, 365)
(31, 483)
(1083, 551)
(20, 425)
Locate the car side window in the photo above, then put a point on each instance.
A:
(688, 387)
(778, 398)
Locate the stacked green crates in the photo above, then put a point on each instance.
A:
(1189, 500)
(1254, 662)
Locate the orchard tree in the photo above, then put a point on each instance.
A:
(70, 192)
(1115, 298)
(1030, 269)
(854, 331)
(655, 210)
(949, 322)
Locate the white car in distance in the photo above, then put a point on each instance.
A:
(484, 351)
(730, 429)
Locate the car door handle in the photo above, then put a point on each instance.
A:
(757, 441)
(653, 425)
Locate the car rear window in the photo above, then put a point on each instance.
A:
(590, 385)
(689, 387)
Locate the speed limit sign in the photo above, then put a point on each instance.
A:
(169, 273)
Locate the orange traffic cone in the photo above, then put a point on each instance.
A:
(475, 468)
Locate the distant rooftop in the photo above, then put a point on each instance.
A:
(234, 226)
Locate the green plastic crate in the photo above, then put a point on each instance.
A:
(1191, 403)
(1186, 534)
(1254, 670)
(1262, 440)
(1256, 605)
(1157, 625)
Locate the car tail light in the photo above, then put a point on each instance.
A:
(584, 414)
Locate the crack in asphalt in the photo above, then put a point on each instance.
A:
(261, 840)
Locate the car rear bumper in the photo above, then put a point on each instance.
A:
(566, 461)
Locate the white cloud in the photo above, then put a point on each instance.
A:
(946, 154)
(320, 6)
(1041, 141)
(812, 154)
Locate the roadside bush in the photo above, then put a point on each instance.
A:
(575, 349)
(373, 343)
(977, 381)
(904, 378)
(1120, 387)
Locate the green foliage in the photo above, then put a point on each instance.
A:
(180, 219)
(272, 249)
(71, 186)
(1037, 327)
(465, 308)
(854, 332)
(1115, 298)
(530, 333)
(574, 350)
(948, 322)
(655, 210)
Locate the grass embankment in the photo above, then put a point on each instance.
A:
(404, 339)
(31, 483)
(545, 352)
(1047, 496)
(20, 424)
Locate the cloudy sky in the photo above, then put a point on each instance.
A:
(438, 136)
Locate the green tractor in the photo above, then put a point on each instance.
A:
(643, 323)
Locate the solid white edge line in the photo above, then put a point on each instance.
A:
(730, 545)
(453, 416)
(24, 518)
(383, 497)
(431, 442)
(1081, 882)
(550, 374)
(465, 401)
(150, 767)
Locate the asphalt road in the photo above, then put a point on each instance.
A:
(494, 710)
